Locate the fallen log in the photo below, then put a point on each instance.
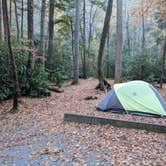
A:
(56, 89)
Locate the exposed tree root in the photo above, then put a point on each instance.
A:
(14, 110)
(56, 89)
(74, 83)
(104, 86)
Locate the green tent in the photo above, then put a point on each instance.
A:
(135, 97)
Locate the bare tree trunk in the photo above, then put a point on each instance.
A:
(12, 60)
(51, 30)
(1, 38)
(108, 54)
(142, 48)
(119, 42)
(91, 22)
(17, 23)
(128, 35)
(82, 48)
(4, 22)
(31, 60)
(143, 32)
(10, 13)
(102, 44)
(22, 19)
(90, 29)
(42, 31)
(72, 38)
(76, 41)
(163, 64)
(84, 41)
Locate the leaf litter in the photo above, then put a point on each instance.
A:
(37, 135)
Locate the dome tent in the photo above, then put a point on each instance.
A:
(135, 97)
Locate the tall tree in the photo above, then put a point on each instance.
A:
(163, 64)
(17, 23)
(51, 30)
(22, 18)
(128, 35)
(1, 22)
(72, 37)
(12, 60)
(143, 31)
(76, 42)
(108, 55)
(31, 60)
(10, 13)
(4, 22)
(128, 40)
(119, 42)
(42, 30)
(102, 82)
(84, 40)
(91, 22)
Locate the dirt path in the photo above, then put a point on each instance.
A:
(37, 135)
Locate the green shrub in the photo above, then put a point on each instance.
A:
(36, 86)
(5, 76)
(39, 82)
(56, 76)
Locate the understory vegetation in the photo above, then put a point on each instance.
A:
(142, 49)
(37, 85)
(143, 66)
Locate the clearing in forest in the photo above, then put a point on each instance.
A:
(37, 135)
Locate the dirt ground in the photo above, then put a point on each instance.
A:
(37, 135)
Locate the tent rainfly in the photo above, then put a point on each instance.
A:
(135, 97)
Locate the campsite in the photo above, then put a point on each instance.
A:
(38, 133)
(82, 83)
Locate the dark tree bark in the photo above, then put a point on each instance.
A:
(42, 31)
(163, 64)
(10, 13)
(119, 43)
(4, 22)
(1, 38)
(17, 23)
(84, 41)
(31, 61)
(102, 82)
(51, 31)
(76, 42)
(12, 60)
(22, 19)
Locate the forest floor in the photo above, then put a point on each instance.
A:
(38, 135)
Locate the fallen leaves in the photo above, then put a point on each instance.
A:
(47, 151)
(39, 126)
